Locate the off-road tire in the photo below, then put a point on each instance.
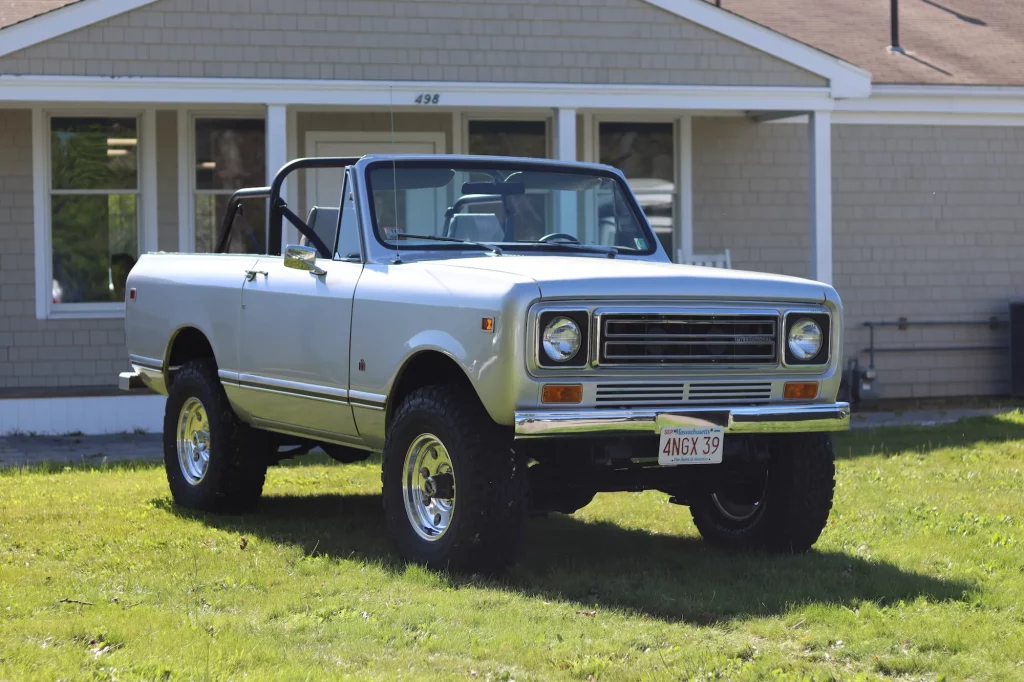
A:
(238, 457)
(486, 527)
(796, 502)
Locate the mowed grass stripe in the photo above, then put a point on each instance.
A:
(918, 576)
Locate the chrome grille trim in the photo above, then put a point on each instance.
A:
(687, 338)
(671, 394)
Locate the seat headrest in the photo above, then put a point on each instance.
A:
(477, 227)
(324, 222)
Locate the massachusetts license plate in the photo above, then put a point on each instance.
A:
(691, 445)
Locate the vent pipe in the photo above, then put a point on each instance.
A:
(894, 21)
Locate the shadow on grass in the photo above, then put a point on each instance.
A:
(602, 565)
(891, 440)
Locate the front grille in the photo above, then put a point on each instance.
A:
(646, 339)
(651, 394)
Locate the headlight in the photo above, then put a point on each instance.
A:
(805, 339)
(561, 339)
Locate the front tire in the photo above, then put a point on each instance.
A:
(454, 489)
(789, 509)
(212, 459)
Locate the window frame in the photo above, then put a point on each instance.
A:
(347, 187)
(44, 205)
(187, 242)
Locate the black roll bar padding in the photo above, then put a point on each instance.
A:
(275, 219)
(299, 223)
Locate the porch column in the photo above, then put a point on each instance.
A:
(684, 193)
(820, 133)
(186, 212)
(565, 150)
(277, 154)
(565, 134)
(150, 213)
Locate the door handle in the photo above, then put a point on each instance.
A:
(250, 275)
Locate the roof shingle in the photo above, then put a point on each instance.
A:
(949, 42)
(16, 11)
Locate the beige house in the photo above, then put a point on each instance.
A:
(789, 133)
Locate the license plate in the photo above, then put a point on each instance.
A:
(691, 445)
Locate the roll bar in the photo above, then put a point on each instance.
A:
(278, 207)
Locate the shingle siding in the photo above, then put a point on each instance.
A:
(568, 41)
(928, 224)
(751, 193)
(40, 353)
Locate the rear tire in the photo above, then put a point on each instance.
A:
(791, 512)
(214, 462)
(467, 513)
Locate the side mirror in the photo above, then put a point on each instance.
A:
(302, 258)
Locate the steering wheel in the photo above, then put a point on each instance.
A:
(558, 236)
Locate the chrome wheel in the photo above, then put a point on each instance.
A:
(193, 441)
(428, 487)
(740, 510)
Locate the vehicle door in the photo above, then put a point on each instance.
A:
(294, 346)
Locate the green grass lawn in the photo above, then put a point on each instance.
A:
(919, 575)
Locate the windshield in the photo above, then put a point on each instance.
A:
(524, 206)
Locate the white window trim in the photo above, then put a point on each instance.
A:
(186, 135)
(146, 207)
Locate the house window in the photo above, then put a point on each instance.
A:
(644, 153)
(94, 199)
(509, 138)
(230, 153)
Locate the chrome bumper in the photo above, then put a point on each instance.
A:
(747, 419)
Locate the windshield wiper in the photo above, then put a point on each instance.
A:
(452, 240)
(609, 251)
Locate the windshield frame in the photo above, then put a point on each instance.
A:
(460, 162)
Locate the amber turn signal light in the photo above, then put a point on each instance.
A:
(800, 390)
(487, 324)
(558, 393)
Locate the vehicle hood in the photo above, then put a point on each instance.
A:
(561, 277)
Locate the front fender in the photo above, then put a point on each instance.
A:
(403, 311)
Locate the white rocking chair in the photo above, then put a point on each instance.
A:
(708, 260)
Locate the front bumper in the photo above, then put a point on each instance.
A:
(746, 419)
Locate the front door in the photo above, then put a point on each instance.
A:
(294, 347)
